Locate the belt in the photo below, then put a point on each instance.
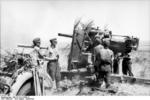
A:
(105, 63)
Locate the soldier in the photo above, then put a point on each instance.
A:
(97, 47)
(105, 57)
(126, 65)
(116, 63)
(53, 67)
(36, 53)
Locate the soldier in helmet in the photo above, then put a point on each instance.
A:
(53, 67)
(105, 56)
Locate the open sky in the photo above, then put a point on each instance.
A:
(23, 20)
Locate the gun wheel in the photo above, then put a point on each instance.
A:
(27, 89)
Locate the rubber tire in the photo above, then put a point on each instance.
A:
(27, 89)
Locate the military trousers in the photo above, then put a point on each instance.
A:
(104, 74)
(126, 67)
(53, 70)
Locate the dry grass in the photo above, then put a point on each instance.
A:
(123, 89)
(141, 63)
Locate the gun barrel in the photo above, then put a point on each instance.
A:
(65, 35)
(24, 46)
(119, 35)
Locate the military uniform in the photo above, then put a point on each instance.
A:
(53, 67)
(116, 63)
(97, 59)
(126, 66)
(96, 51)
(104, 57)
(36, 53)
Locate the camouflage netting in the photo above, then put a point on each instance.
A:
(11, 62)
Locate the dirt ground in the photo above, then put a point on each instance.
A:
(140, 68)
(119, 89)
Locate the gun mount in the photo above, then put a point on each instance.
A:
(121, 44)
(83, 41)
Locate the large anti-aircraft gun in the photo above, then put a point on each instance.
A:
(83, 41)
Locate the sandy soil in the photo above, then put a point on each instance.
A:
(140, 68)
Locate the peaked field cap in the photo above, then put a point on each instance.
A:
(35, 40)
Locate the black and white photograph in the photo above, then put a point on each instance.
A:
(74, 48)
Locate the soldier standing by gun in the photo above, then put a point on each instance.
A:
(97, 47)
(36, 53)
(105, 57)
(126, 65)
(53, 66)
(36, 57)
(116, 63)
